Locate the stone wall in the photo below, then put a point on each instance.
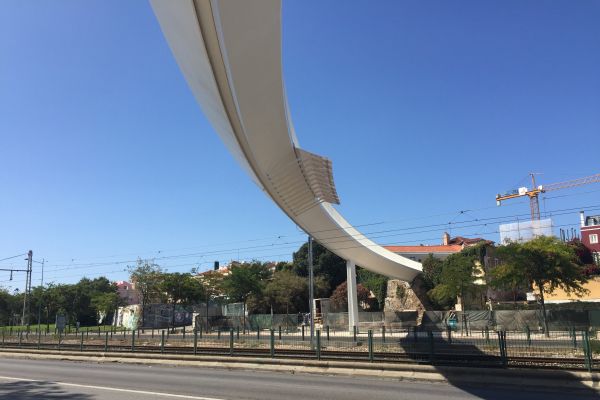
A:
(405, 296)
(401, 297)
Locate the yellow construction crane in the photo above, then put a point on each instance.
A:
(535, 190)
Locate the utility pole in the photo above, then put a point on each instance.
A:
(40, 300)
(25, 317)
(311, 281)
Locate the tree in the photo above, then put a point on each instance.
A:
(82, 301)
(8, 306)
(286, 291)
(78, 298)
(104, 303)
(54, 300)
(375, 283)
(326, 264)
(284, 266)
(181, 288)
(432, 270)
(339, 297)
(321, 288)
(39, 295)
(146, 276)
(585, 257)
(213, 289)
(544, 263)
(457, 279)
(245, 280)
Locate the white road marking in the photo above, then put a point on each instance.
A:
(178, 396)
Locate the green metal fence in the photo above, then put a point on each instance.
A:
(564, 349)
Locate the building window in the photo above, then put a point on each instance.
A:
(594, 238)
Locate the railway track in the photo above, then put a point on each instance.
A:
(417, 357)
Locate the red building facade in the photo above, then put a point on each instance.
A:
(590, 234)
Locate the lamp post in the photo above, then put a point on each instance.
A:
(311, 296)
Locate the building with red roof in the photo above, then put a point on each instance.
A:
(449, 246)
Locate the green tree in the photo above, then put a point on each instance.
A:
(78, 298)
(284, 266)
(9, 305)
(55, 301)
(213, 289)
(432, 270)
(147, 277)
(76, 301)
(325, 264)
(457, 279)
(181, 288)
(104, 303)
(245, 280)
(544, 263)
(321, 288)
(375, 283)
(40, 297)
(286, 292)
(213, 284)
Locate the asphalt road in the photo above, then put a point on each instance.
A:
(33, 379)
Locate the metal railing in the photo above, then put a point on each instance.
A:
(557, 349)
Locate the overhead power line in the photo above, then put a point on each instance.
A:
(255, 257)
(342, 238)
(151, 253)
(10, 258)
(299, 234)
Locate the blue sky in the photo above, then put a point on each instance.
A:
(427, 109)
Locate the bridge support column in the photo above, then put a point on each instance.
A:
(352, 295)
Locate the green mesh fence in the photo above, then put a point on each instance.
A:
(563, 348)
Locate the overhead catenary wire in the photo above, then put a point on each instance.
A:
(270, 256)
(11, 257)
(286, 254)
(343, 238)
(290, 245)
(293, 247)
(153, 253)
(273, 237)
(298, 234)
(259, 257)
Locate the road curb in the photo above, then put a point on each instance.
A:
(546, 379)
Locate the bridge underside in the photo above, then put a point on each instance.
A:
(230, 55)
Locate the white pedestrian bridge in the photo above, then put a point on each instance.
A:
(230, 54)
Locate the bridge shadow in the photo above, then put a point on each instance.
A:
(483, 374)
(29, 390)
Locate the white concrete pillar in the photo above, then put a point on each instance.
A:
(352, 295)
